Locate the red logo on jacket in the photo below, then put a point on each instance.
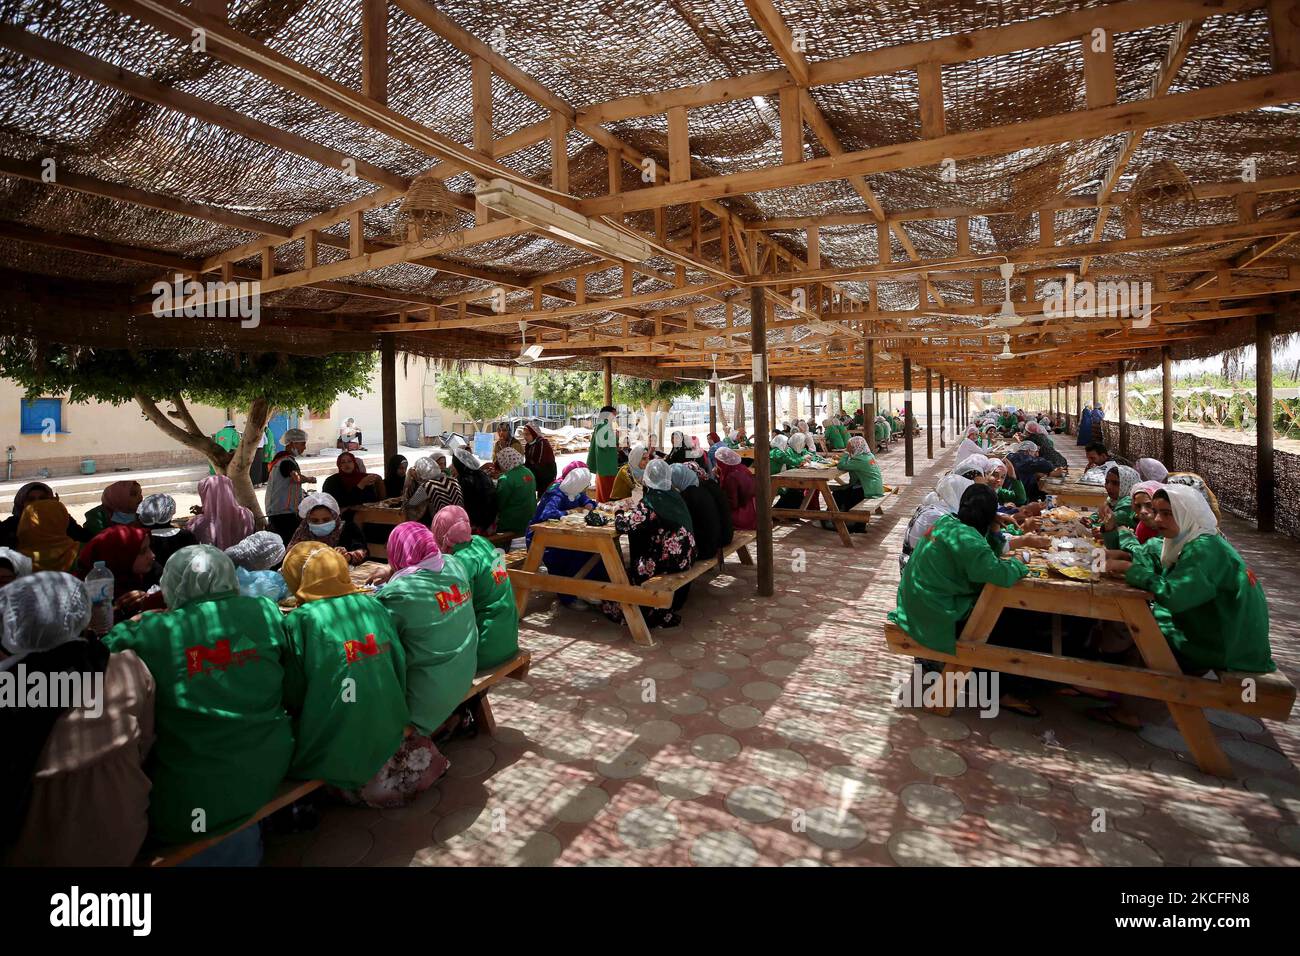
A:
(355, 650)
(449, 599)
(499, 572)
(201, 660)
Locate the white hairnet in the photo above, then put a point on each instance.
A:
(260, 551)
(315, 500)
(780, 442)
(157, 510)
(575, 482)
(658, 475)
(426, 468)
(293, 436)
(468, 459)
(195, 572)
(41, 611)
(17, 560)
(798, 440)
(1152, 469)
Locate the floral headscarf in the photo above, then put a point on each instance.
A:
(1128, 477)
(412, 547)
(508, 459)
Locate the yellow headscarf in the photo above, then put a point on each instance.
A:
(43, 536)
(313, 570)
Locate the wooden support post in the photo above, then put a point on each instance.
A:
(309, 249)
(481, 93)
(1265, 479)
(791, 126)
(1078, 402)
(762, 434)
(814, 248)
(356, 236)
(559, 152)
(1167, 404)
(679, 145)
(1099, 70)
(1123, 410)
(908, 450)
(812, 404)
(1096, 398)
(868, 389)
(615, 163)
(713, 408)
(609, 381)
(388, 392)
(1284, 24)
(942, 417)
(771, 407)
(930, 89)
(374, 49)
(929, 416)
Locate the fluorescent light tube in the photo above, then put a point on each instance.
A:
(508, 199)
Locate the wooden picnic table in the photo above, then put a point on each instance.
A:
(814, 481)
(378, 513)
(1073, 492)
(1161, 678)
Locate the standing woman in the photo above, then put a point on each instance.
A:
(477, 490)
(738, 485)
(428, 489)
(429, 599)
(394, 476)
(222, 521)
(485, 568)
(677, 451)
(1208, 604)
(73, 791)
(539, 456)
(341, 640)
(602, 456)
(659, 539)
(516, 492)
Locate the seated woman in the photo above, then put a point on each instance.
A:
(706, 523)
(1117, 511)
(429, 598)
(837, 436)
(255, 559)
(715, 442)
(629, 476)
(117, 505)
(494, 598)
(395, 476)
(13, 565)
(677, 448)
(567, 494)
(345, 684)
(1143, 493)
(779, 455)
(516, 492)
(1029, 468)
(322, 523)
(33, 491)
(74, 788)
(738, 485)
(539, 456)
(156, 513)
(948, 570)
(43, 535)
(865, 480)
(477, 490)
(1194, 481)
(1208, 604)
(224, 741)
(428, 490)
(697, 455)
(1151, 469)
(349, 436)
(944, 500)
(127, 551)
(222, 521)
(713, 490)
(1001, 477)
(659, 539)
(1046, 447)
(350, 486)
(881, 430)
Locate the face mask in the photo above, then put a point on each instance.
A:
(123, 517)
(320, 530)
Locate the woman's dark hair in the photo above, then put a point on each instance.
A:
(972, 474)
(1096, 447)
(609, 408)
(1162, 495)
(978, 506)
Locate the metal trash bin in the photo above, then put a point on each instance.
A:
(414, 436)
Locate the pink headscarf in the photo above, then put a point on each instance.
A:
(411, 548)
(571, 466)
(1148, 488)
(224, 522)
(451, 526)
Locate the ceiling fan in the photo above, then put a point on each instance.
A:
(528, 354)
(1006, 352)
(714, 378)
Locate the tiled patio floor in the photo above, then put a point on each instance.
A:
(771, 739)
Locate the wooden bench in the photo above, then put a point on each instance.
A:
(1186, 695)
(291, 791)
(875, 506)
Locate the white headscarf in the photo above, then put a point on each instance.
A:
(979, 463)
(1152, 469)
(1194, 518)
(315, 500)
(1035, 429)
(949, 490)
(967, 448)
(780, 442)
(634, 459)
(658, 475)
(575, 482)
(798, 440)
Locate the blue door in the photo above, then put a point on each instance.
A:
(280, 423)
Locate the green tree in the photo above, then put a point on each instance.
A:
(257, 383)
(479, 397)
(569, 388)
(654, 397)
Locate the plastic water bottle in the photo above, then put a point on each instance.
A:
(99, 587)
